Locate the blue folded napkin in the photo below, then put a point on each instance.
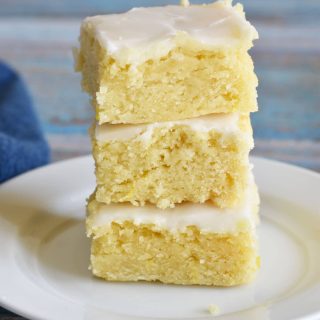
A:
(22, 144)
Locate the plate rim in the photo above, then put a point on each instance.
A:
(11, 306)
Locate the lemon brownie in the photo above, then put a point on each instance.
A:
(189, 244)
(168, 63)
(165, 163)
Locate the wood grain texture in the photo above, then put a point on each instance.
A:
(289, 77)
(36, 37)
(263, 10)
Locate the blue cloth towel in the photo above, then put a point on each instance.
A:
(22, 144)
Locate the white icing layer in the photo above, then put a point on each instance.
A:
(226, 123)
(142, 33)
(206, 217)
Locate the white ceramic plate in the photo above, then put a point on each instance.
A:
(44, 254)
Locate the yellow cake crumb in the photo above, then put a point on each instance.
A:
(175, 164)
(214, 309)
(118, 254)
(153, 75)
(189, 80)
(184, 84)
(131, 251)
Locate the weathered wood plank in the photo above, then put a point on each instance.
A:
(274, 11)
(289, 76)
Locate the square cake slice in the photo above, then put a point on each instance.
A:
(190, 244)
(165, 163)
(168, 63)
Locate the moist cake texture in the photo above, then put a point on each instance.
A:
(128, 252)
(172, 88)
(174, 245)
(192, 61)
(167, 163)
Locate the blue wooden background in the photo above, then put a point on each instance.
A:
(36, 37)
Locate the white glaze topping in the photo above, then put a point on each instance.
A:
(144, 33)
(226, 123)
(205, 216)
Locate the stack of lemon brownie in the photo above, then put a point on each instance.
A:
(173, 88)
